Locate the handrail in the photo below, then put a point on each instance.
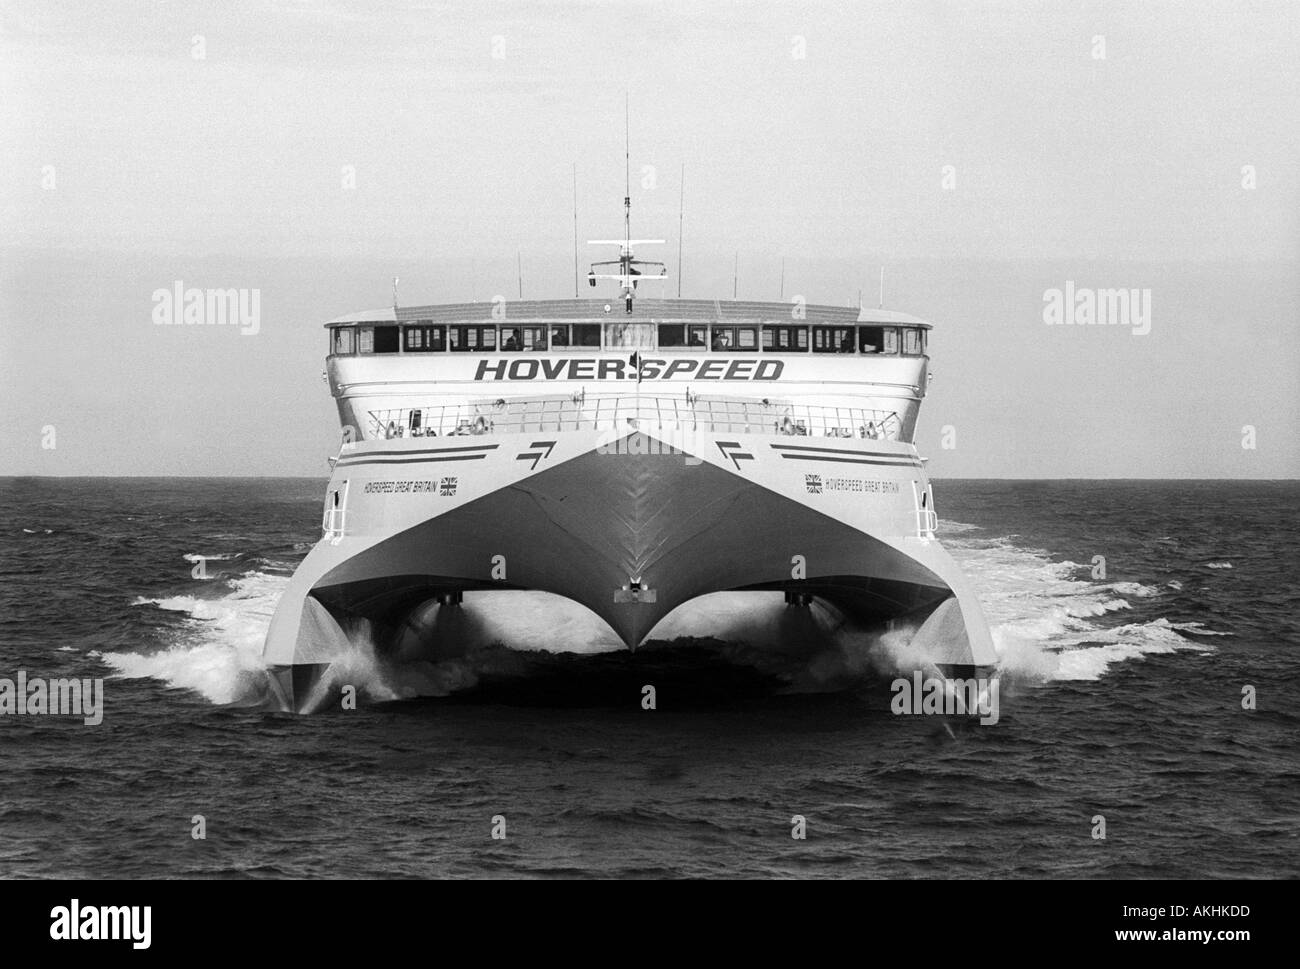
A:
(333, 523)
(607, 412)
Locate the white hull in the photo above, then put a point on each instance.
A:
(630, 523)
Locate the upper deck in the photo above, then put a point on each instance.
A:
(599, 326)
(730, 366)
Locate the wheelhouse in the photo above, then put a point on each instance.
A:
(363, 337)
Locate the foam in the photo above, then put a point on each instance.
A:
(219, 656)
(1049, 621)
(1042, 613)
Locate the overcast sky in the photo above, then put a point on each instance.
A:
(983, 153)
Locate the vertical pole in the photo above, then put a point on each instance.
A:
(575, 230)
(681, 214)
(627, 180)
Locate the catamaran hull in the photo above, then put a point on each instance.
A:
(629, 524)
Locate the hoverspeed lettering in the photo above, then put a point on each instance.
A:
(616, 368)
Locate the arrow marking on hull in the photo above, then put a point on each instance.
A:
(536, 456)
(731, 449)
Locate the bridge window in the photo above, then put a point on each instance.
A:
(678, 336)
(464, 339)
(342, 340)
(425, 338)
(386, 339)
(586, 334)
(734, 338)
(672, 335)
(832, 339)
(913, 341)
(785, 339)
(877, 339)
(629, 336)
(560, 337)
(519, 338)
(365, 339)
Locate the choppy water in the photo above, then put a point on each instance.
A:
(1121, 697)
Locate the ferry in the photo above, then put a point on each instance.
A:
(630, 453)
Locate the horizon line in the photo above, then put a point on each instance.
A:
(326, 476)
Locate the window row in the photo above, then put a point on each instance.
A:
(427, 337)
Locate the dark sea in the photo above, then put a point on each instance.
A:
(1121, 697)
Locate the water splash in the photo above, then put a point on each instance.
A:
(1043, 614)
(1049, 623)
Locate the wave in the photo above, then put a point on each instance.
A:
(953, 528)
(1042, 614)
(218, 654)
(1048, 624)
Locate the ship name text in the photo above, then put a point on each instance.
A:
(616, 368)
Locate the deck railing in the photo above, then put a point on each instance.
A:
(652, 412)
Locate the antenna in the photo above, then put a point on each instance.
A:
(519, 263)
(629, 267)
(782, 279)
(575, 230)
(681, 214)
(882, 287)
(735, 276)
(627, 166)
(394, 293)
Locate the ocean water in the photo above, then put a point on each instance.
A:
(1121, 697)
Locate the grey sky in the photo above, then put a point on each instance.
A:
(1125, 171)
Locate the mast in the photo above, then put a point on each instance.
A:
(681, 214)
(629, 267)
(627, 187)
(575, 230)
